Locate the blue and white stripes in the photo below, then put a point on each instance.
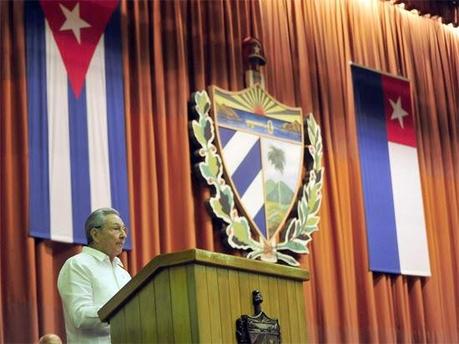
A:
(242, 153)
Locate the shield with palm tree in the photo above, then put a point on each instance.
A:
(261, 142)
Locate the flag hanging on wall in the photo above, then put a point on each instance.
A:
(391, 180)
(77, 144)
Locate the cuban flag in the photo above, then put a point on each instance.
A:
(77, 144)
(391, 180)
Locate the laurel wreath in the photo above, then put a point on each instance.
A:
(299, 229)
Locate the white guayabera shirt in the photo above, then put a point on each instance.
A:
(86, 282)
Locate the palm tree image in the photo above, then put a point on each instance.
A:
(276, 157)
(279, 161)
(274, 207)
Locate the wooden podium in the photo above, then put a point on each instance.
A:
(196, 296)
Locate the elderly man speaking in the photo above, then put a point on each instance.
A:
(89, 279)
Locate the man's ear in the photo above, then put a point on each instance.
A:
(93, 232)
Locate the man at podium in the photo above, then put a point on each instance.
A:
(89, 279)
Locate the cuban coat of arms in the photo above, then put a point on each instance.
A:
(254, 152)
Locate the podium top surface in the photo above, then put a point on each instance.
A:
(199, 257)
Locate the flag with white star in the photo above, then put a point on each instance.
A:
(77, 145)
(391, 182)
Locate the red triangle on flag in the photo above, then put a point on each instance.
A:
(77, 27)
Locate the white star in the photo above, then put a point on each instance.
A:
(398, 112)
(73, 21)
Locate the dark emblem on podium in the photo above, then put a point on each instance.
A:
(259, 328)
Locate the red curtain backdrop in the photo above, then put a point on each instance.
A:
(173, 48)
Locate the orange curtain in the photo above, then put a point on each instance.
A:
(173, 48)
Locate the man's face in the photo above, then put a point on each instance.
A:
(110, 238)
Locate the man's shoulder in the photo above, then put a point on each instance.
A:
(79, 259)
(87, 254)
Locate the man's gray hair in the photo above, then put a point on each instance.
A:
(97, 219)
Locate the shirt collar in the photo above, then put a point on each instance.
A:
(101, 256)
